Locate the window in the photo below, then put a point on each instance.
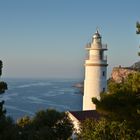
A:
(101, 55)
(103, 89)
(98, 40)
(103, 73)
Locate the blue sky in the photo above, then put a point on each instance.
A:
(46, 38)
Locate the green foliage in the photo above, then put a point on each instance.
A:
(120, 107)
(3, 87)
(132, 83)
(47, 118)
(106, 130)
(129, 85)
(24, 121)
(58, 124)
(114, 87)
(46, 125)
(2, 110)
(122, 102)
(138, 31)
(8, 130)
(1, 65)
(138, 28)
(25, 128)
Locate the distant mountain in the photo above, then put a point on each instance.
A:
(136, 66)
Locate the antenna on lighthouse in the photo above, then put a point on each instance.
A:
(97, 29)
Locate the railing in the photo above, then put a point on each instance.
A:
(88, 45)
(104, 46)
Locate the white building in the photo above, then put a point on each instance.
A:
(95, 72)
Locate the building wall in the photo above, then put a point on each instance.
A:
(76, 125)
(95, 83)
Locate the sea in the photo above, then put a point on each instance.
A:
(25, 97)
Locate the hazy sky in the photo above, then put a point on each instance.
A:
(46, 38)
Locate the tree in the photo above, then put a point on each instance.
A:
(8, 129)
(46, 124)
(3, 87)
(120, 107)
(122, 102)
(137, 27)
(57, 123)
(132, 83)
(138, 31)
(104, 129)
(129, 85)
(25, 128)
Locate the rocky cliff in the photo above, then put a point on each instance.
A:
(136, 66)
(120, 73)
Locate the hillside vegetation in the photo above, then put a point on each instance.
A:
(120, 108)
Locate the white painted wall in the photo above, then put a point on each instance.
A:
(93, 85)
(76, 125)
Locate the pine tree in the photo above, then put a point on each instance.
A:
(3, 87)
(138, 31)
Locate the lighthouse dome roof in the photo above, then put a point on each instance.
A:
(97, 35)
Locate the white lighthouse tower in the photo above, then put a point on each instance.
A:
(95, 72)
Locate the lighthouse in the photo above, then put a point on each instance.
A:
(95, 72)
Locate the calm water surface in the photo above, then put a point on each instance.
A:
(27, 96)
